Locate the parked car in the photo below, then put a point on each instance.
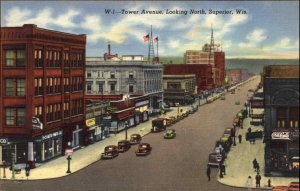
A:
(110, 151)
(293, 186)
(159, 124)
(228, 131)
(214, 159)
(135, 139)
(170, 134)
(143, 149)
(123, 145)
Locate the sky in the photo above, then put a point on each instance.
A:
(267, 29)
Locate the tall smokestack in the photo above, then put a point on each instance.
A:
(108, 48)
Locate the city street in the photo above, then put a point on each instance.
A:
(175, 164)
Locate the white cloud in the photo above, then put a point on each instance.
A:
(256, 36)
(15, 16)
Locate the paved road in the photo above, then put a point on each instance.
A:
(178, 164)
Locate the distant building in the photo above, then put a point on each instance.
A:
(215, 59)
(281, 98)
(180, 88)
(133, 58)
(203, 73)
(42, 93)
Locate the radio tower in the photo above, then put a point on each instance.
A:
(212, 45)
(151, 49)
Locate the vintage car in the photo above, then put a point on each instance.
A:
(228, 131)
(170, 134)
(225, 141)
(293, 186)
(214, 159)
(110, 152)
(135, 139)
(143, 149)
(158, 125)
(123, 146)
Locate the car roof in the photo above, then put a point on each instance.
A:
(110, 146)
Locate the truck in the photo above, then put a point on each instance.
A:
(159, 124)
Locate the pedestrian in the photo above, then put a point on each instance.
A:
(240, 138)
(223, 168)
(249, 130)
(257, 167)
(208, 172)
(249, 182)
(254, 162)
(258, 178)
(220, 169)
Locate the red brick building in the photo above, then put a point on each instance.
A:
(42, 92)
(219, 68)
(203, 72)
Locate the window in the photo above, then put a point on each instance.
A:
(15, 116)
(66, 85)
(131, 89)
(38, 58)
(112, 88)
(15, 58)
(9, 87)
(38, 112)
(131, 75)
(294, 117)
(15, 87)
(89, 87)
(89, 74)
(100, 88)
(281, 117)
(66, 109)
(112, 75)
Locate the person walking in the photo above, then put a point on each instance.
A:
(240, 138)
(257, 178)
(257, 167)
(208, 172)
(249, 183)
(254, 162)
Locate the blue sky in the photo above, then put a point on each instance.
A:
(270, 29)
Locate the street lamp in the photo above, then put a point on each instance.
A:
(69, 152)
(126, 126)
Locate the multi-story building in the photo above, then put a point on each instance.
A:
(179, 88)
(215, 58)
(203, 73)
(234, 75)
(281, 102)
(121, 80)
(42, 92)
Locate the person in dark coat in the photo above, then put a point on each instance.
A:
(254, 162)
(258, 178)
(223, 168)
(240, 138)
(208, 172)
(257, 167)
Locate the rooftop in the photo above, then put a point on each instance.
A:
(281, 71)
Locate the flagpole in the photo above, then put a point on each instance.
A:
(157, 46)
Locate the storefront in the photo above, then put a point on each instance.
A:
(47, 146)
(18, 146)
(284, 150)
(141, 111)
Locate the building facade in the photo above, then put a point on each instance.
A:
(281, 95)
(180, 88)
(42, 92)
(215, 58)
(203, 73)
(134, 78)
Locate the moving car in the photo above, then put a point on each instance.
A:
(110, 152)
(170, 134)
(293, 186)
(123, 145)
(135, 139)
(214, 159)
(143, 149)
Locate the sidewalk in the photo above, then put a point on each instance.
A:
(239, 162)
(86, 155)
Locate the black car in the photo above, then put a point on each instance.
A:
(135, 139)
(110, 152)
(123, 145)
(143, 149)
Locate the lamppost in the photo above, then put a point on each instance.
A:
(126, 126)
(69, 152)
(13, 157)
(3, 163)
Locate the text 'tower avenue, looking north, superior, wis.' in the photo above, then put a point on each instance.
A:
(175, 12)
